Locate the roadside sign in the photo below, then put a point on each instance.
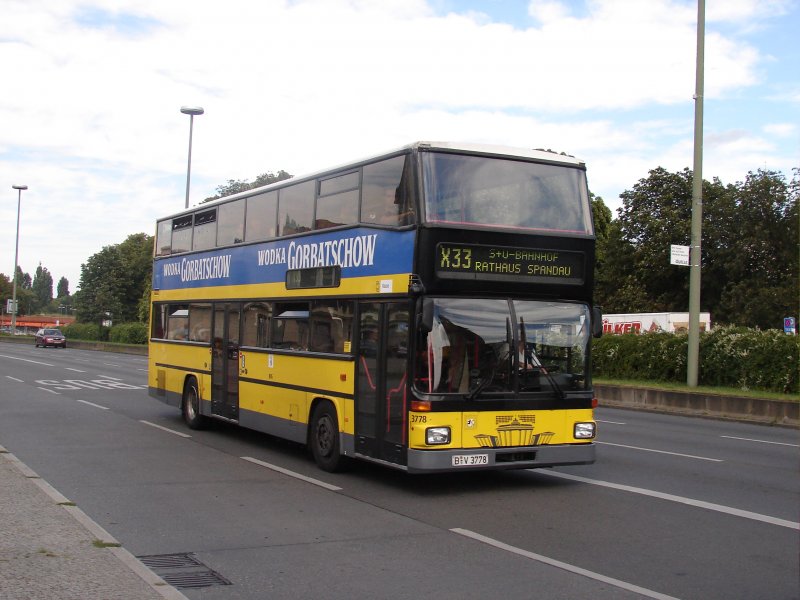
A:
(679, 255)
(11, 307)
(789, 326)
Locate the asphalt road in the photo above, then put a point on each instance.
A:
(675, 507)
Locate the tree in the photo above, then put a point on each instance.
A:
(760, 263)
(601, 216)
(234, 186)
(113, 280)
(23, 279)
(42, 287)
(62, 290)
(5, 288)
(748, 252)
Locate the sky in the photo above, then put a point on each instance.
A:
(91, 94)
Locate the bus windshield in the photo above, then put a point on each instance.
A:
(495, 192)
(498, 347)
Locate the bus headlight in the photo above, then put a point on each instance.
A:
(584, 431)
(436, 436)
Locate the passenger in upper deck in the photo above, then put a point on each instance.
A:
(387, 210)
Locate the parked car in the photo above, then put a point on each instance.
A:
(50, 337)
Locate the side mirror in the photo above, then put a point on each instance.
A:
(426, 317)
(597, 321)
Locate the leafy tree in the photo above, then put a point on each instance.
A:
(62, 290)
(234, 186)
(5, 288)
(760, 263)
(26, 301)
(42, 287)
(601, 216)
(23, 279)
(748, 257)
(113, 280)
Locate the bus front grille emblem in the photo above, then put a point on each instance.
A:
(513, 431)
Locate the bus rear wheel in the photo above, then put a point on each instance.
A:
(190, 405)
(324, 438)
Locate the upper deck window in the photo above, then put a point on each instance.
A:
(230, 223)
(497, 192)
(296, 208)
(205, 230)
(261, 215)
(386, 199)
(337, 203)
(182, 234)
(164, 238)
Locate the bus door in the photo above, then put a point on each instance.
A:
(225, 362)
(381, 397)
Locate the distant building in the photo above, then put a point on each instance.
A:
(670, 322)
(30, 324)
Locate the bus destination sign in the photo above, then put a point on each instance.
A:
(500, 263)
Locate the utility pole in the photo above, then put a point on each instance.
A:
(693, 357)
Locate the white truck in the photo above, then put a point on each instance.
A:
(671, 322)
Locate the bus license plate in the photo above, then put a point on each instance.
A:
(470, 460)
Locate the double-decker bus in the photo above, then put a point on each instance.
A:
(429, 309)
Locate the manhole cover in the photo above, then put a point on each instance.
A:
(183, 570)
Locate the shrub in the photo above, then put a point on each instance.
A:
(729, 356)
(750, 359)
(128, 333)
(85, 331)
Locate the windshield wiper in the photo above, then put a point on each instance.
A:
(484, 383)
(538, 362)
(550, 379)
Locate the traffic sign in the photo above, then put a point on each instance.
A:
(789, 326)
(679, 255)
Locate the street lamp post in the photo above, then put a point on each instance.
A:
(191, 111)
(19, 189)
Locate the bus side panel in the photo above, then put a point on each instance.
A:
(169, 365)
(278, 391)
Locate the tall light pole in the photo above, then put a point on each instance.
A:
(693, 354)
(19, 189)
(191, 111)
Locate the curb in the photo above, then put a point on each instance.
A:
(103, 538)
(746, 409)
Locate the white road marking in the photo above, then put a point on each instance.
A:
(322, 484)
(610, 422)
(562, 565)
(36, 362)
(93, 404)
(14, 379)
(76, 370)
(178, 433)
(661, 452)
(680, 499)
(730, 437)
(49, 390)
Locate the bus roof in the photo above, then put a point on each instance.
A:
(510, 151)
(459, 147)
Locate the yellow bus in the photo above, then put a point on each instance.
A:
(429, 309)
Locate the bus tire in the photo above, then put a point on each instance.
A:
(190, 405)
(323, 438)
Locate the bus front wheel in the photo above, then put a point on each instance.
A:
(190, 405)
(324, 438)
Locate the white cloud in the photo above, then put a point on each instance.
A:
(783, 130)
(91, 117)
